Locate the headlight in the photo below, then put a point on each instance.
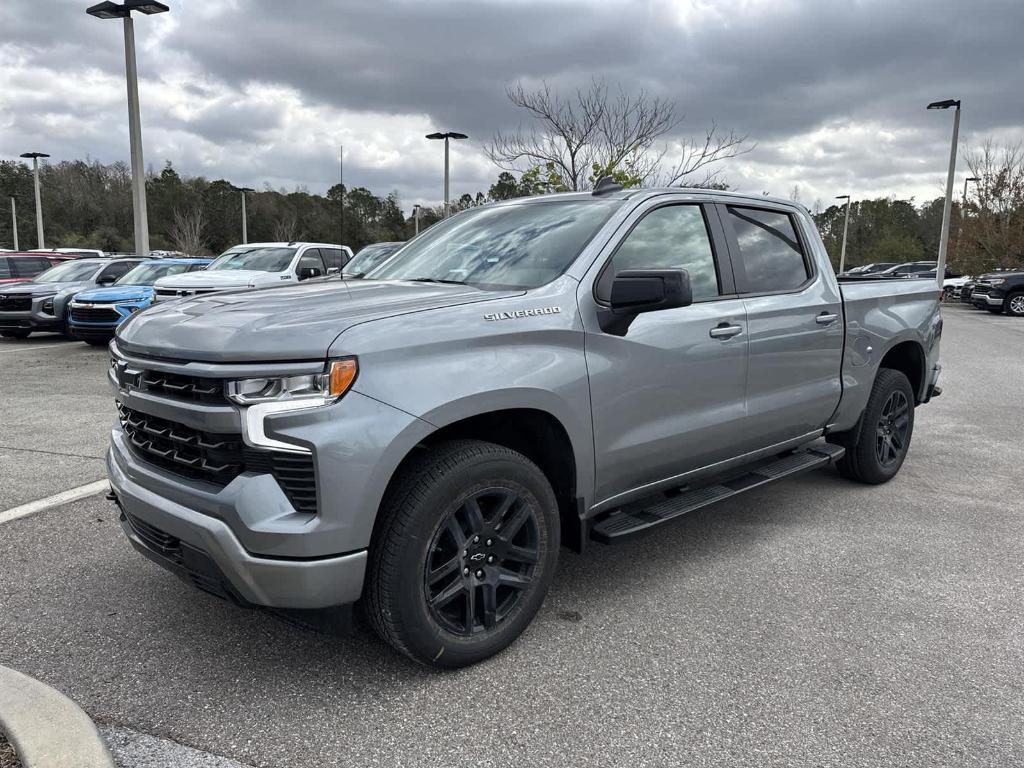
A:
(48, 306)
(996, 281)
(304, 391)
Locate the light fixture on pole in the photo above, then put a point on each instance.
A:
(963, 198)
(110, 10)
(940, 266)
(245, 233)
(846, 223)
(14, 223)
(39, 205)
(446, 137)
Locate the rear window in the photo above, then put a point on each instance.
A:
(770, 251)
(29, 266)
(5, 270)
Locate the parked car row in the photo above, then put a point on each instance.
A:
(998, 292)
(88, 298)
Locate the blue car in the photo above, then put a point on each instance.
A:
(94, 315)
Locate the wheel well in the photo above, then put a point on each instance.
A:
(908, 358)
(537, 435)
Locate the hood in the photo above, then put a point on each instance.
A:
(296, 322)
(117, 293)
(39, 289)
(219, 278)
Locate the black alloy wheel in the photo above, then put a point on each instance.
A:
(891, 430)
(481, 560)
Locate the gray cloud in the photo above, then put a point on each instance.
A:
(804, 72)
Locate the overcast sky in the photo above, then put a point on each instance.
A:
(833, 93)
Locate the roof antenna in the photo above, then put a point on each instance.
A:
(606, 185)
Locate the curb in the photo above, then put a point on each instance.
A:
(46, 728)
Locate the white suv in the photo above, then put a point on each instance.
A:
(257, 265)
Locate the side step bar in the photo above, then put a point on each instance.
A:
(627, 522)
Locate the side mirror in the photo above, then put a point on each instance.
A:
(307, 272)
(643, 290)
(106, 280)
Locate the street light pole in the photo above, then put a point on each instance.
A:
(39, 205)
(245, 233)
(415, 216)
(963, 198)
(446, 137)
(111, 10)
(14, 223)
(846, 224)
(940, 266)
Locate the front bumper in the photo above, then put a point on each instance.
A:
(985, 300)
(33, 319)
(206, 552)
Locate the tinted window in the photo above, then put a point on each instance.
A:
(672, 237)
(5, 270)
(769, 249)
(335, 257)
(116, 270)
(310, 259)
(523, 245)
(29, 267)
(370, 257)
(196, 267)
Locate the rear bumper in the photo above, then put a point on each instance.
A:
(204, 551)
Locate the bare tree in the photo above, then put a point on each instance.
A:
(595, 133)
(286, 229)
(186, 232)
(991, 231)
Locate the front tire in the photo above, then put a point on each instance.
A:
(465, 550)
(882, 438)
(1014, 304)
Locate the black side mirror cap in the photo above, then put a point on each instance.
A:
(307, 272)
(636, 291)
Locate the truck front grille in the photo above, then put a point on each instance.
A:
(217, 458)
(15, 303)
(183, 450)
(183, 387)
(97, 313)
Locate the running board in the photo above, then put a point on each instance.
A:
(623, 524)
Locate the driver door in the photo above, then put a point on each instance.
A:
(669, 396)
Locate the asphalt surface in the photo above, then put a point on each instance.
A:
(810, 623)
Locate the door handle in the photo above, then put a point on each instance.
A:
(725, 331)
(826, 318)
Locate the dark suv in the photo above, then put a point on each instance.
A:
(1000, 292)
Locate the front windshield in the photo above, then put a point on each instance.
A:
(68, 272)
(258, 259)
(369, 257)
(147, 274)
(509, 246)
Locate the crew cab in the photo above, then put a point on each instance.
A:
(257, 265)
(40, 304)
(534, 373)
(94, 314)
(1000, 292)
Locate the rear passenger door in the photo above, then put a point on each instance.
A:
(794, 323)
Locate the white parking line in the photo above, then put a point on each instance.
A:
(32, 349)
(64, 497)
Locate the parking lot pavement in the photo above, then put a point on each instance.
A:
(814, 622)
(54, 410)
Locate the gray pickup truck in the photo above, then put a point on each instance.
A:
(520, 377)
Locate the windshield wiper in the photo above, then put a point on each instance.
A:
(436, 280)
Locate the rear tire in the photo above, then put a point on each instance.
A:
(465, 550)
(15, 334)
(97, 342)
(1014, 304)
(882, 438)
